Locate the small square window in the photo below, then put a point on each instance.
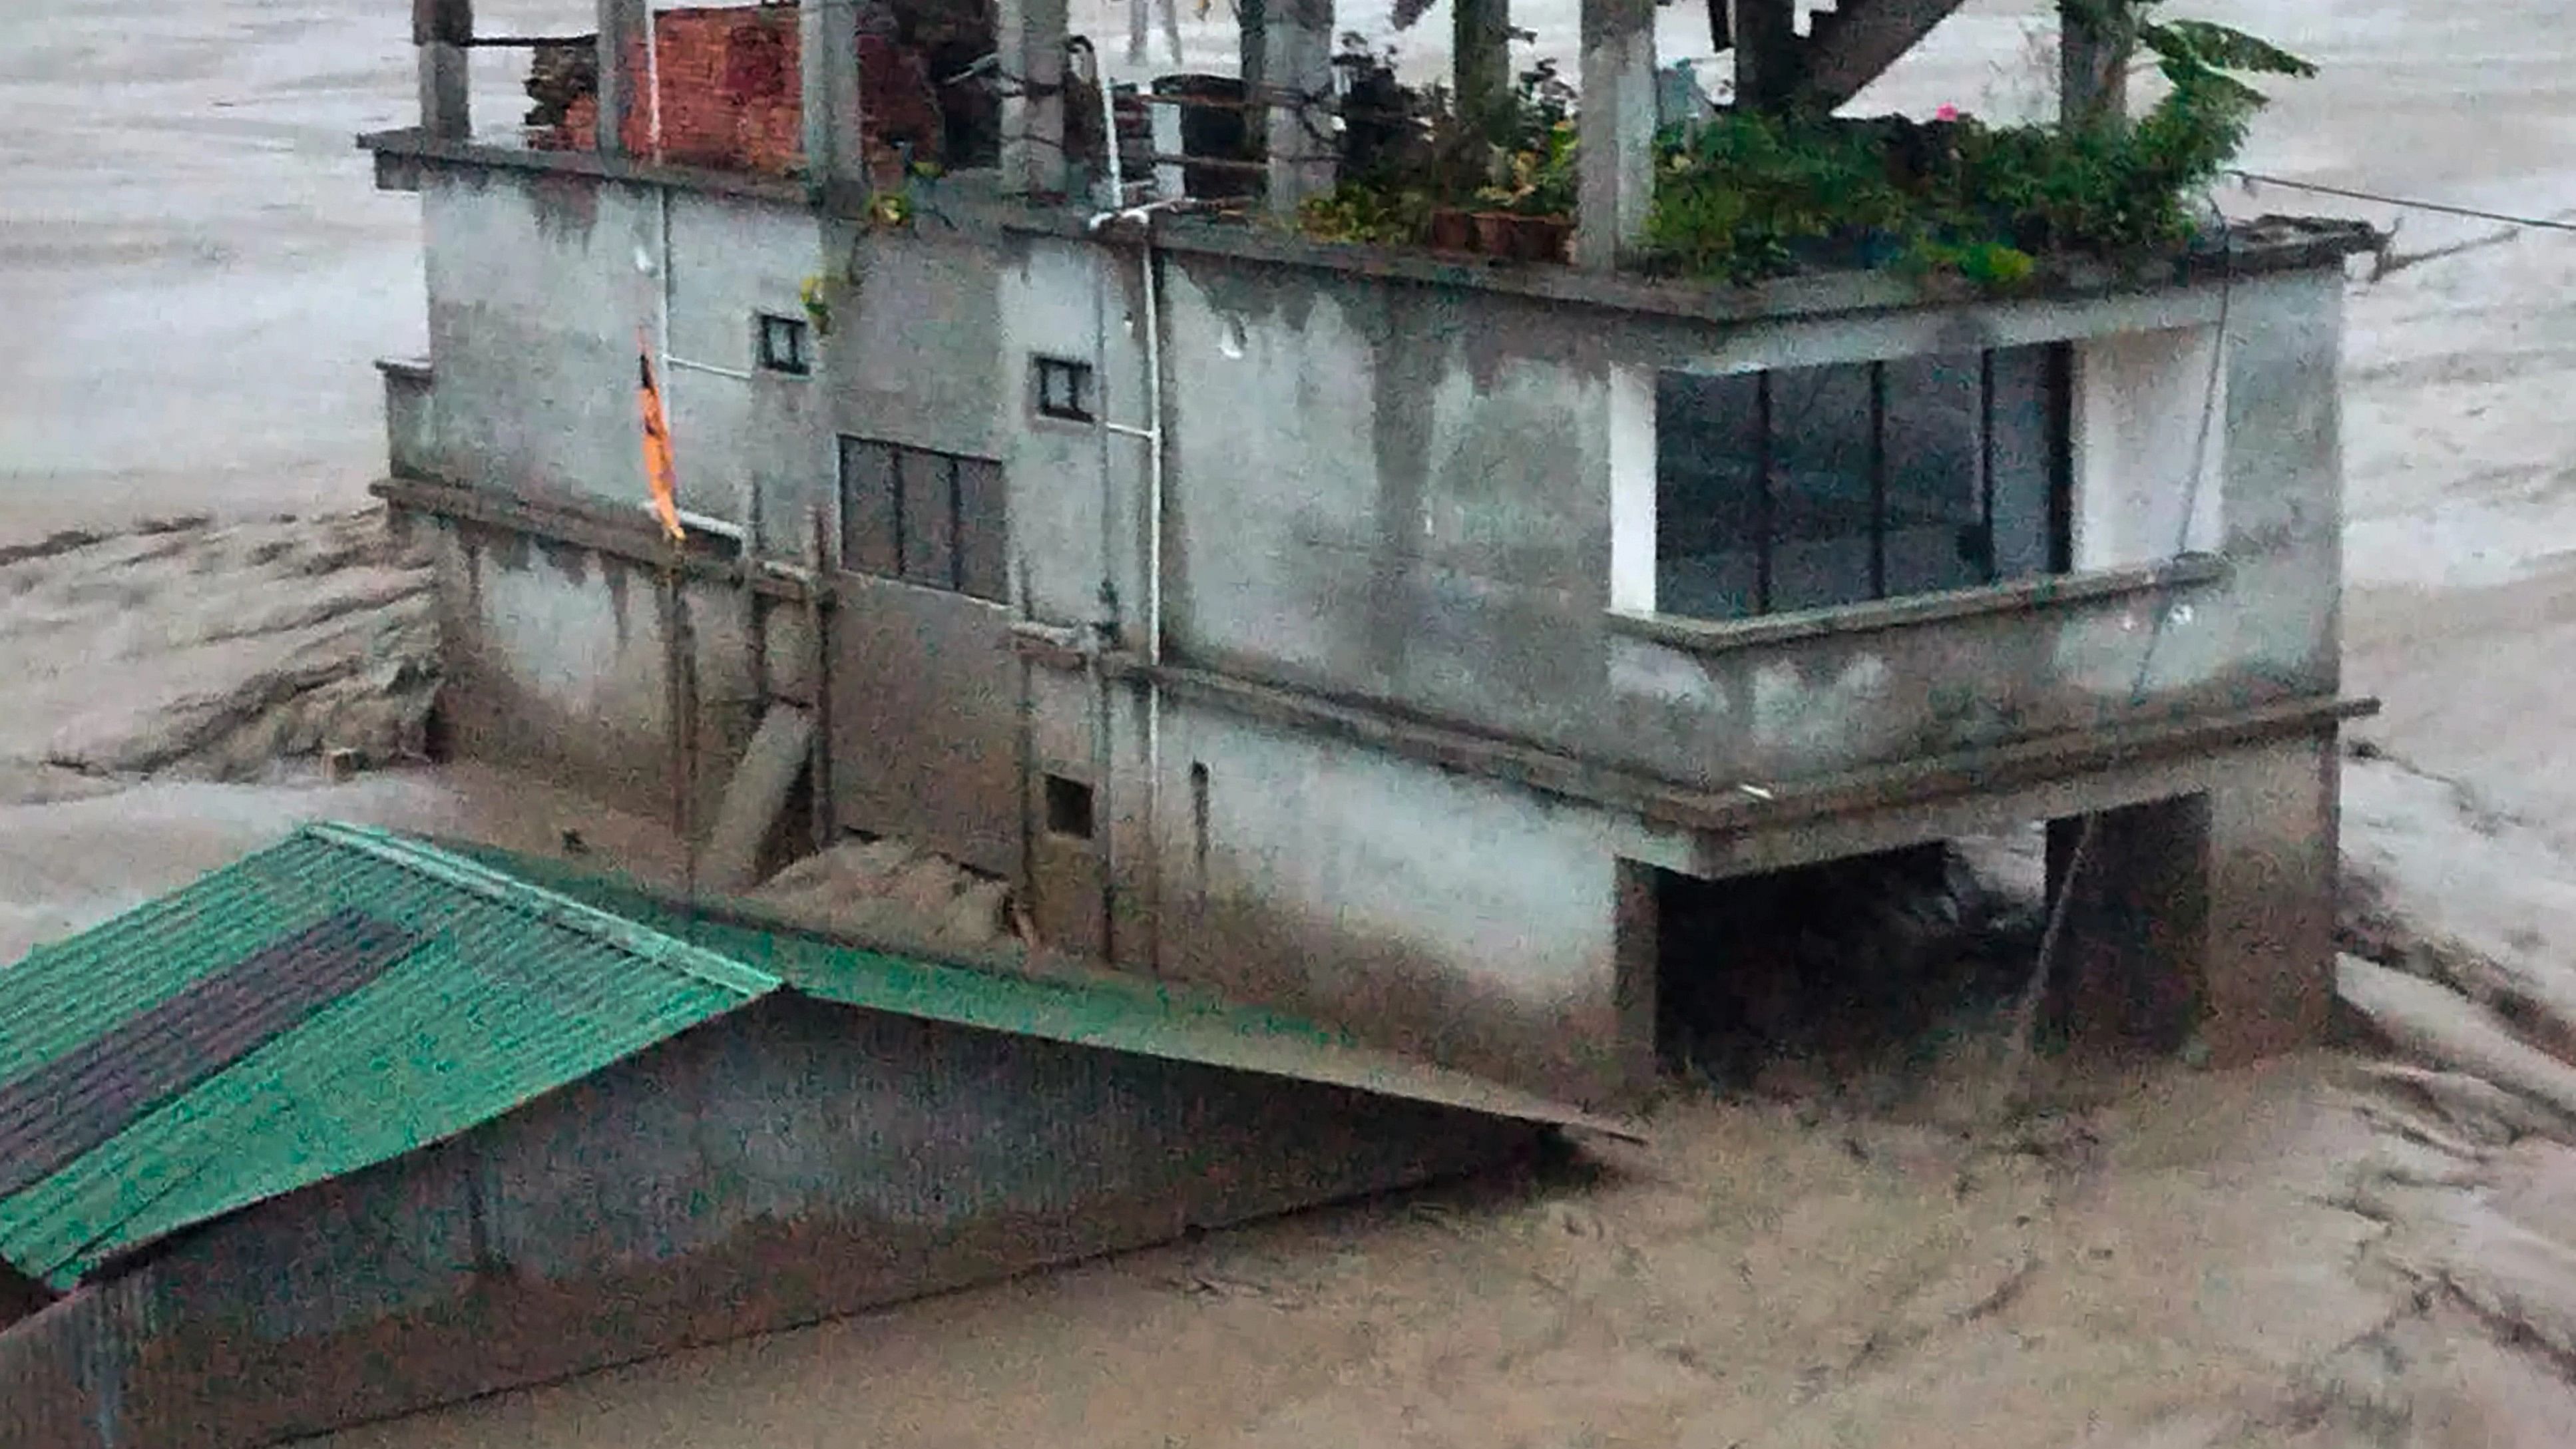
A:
(1064, 389)
(782, 345)
(1068, 807)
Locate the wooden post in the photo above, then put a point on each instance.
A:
(1766, 53)
(680, 665)
(817, 625)
(443, 30)
(2092, 63)
(1481, 58)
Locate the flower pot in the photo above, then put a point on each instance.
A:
(1512, 237)
(1452, 230)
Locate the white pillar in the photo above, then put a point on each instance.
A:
(1616, 161)
(443, 30)
(624, 31)
(827, 38)
(1297, 61)
(1031, 38)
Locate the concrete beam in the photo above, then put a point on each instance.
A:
(1030, 39)
(1616, 160)
(2092, 64)
(1856, 42)
(443, 30)
(1481, 59)
(1767, 59)
(1297, 62)
(624, 31)
(836, 162)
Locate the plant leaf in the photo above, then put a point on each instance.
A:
(2220, 47)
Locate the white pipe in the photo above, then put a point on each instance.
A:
(1152, 436)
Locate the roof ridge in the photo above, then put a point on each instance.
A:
(632, 937)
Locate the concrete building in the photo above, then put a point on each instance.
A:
(1372, 632)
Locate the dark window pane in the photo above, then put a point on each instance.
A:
(870, 528)
(982, 556)
(1935, 499)
(1708, 495)
(2027, 454)
(1822, 545)
(928, 487)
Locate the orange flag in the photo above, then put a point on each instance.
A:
(658, 472)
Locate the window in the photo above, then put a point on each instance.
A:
(1068, 808)
(1064, 389)
(923, 517)
(782, 345)
(1811, 487)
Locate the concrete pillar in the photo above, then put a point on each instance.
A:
(2130, 964)
(1481, 60)
(2275, 866)
(2092, 65)
(443, 30)
(2216, 909)
(1297, 70)
(1030, 39)
(1617, 121)
(1766, 53)
(624, 31)
(836, 163)
(1636, 977)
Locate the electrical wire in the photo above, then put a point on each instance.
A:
(2406, 203)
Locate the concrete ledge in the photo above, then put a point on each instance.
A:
(1920, 780)
(1717, 636)
(972, 203)
(631, 537)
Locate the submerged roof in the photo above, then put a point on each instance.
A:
(350, 995)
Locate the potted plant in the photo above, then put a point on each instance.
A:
(1531, 215)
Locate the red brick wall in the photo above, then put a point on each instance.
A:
(731, 94)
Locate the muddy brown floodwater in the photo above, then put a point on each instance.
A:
(197, 274)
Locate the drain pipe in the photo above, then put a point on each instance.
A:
(1151, 435)
(1106, 607)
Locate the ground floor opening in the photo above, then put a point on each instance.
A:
(1866, 974)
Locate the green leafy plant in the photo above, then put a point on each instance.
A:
(1749, 195)
(1539, 180)
(1361, 211)
(1743, 195)
(818, 304)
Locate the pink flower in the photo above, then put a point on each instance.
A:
(1946, 113)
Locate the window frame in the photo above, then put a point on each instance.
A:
(799, 361)
(1079, 381)
(2055, 379)
(958, 558)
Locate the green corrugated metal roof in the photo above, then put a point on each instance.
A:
(1087, 1008)
(528, 975)
(513, 992)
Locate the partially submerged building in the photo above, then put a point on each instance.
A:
(1373, 632)
(365, 1124)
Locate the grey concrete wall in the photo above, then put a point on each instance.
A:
(1379, 493)
(1455, 918)
(535, 301)
(791, 1162)
(557, 658)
